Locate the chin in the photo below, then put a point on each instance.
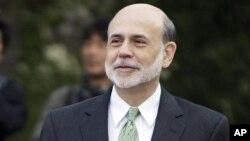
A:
(127, 82)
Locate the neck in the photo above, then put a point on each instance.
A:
(101, 82)
(135, 96)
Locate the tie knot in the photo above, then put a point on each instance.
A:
(133, 113)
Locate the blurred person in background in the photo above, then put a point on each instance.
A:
(13, 111)
(95, 81)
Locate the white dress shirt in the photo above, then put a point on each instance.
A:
(145, 122)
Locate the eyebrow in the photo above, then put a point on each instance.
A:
(133, 36)
(115, 35)
(139, 36)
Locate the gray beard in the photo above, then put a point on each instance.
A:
(145, 74)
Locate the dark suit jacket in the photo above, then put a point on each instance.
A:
(13, 110)
(177, 120)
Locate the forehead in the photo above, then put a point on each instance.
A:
(149, 24)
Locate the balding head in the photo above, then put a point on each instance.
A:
(148, 14)
(138, 46)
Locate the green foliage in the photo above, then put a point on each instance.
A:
(211, 66)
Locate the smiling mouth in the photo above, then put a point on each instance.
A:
(125, 68)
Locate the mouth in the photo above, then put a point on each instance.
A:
(125, 68)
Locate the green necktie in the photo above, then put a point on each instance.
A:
(129, 131)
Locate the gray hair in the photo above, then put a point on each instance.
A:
(168, 30)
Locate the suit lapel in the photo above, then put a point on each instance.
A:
(168, 124)
(95, 126)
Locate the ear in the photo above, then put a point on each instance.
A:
(169, 51)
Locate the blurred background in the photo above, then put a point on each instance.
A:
(211, 66)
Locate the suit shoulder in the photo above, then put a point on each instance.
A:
(74, 109)
(198, 111)
(201, 122)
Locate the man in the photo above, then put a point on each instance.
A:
(137, 108)
(95, 81)
(13, 111)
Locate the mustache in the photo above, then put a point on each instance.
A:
(126, 63)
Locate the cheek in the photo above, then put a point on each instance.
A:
(84, 52)
(111, 55)
(144, 61)
(147, 58)
(102, 54)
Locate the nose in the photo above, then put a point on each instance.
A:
(92, 49)
(125, 50)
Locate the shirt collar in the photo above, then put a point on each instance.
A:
(118, 107)
(148, 109)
